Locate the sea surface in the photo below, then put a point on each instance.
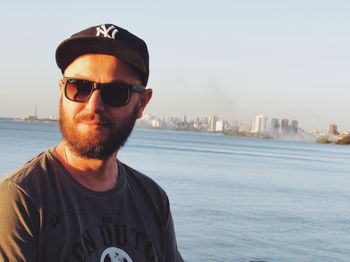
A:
(232, 198)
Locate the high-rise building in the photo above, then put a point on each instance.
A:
(260, 124)
(215, 124)
(293, 127)
(253, 126)
(275, 125)
(284, 126)
(212, 123)
(219, 125)
(333, 129)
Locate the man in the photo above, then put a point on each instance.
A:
(76, 202)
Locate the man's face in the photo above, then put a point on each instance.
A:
(92, 129)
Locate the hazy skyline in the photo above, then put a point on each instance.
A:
(234, 59)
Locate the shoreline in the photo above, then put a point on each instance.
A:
(344, 140)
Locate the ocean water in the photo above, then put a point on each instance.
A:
(233, 199)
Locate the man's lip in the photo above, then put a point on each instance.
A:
(94, 123)
(94, 120)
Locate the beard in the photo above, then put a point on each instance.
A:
(92, 145)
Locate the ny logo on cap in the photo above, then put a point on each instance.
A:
(106, 32)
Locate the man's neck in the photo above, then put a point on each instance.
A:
(95, 174)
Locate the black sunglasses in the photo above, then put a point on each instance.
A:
(113, 94)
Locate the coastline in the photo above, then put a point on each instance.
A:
(341, 140)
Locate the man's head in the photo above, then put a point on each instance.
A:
(102, 93)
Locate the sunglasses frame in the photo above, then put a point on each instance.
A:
(99, 86)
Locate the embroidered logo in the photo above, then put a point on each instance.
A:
(106, 32)
(114, 254)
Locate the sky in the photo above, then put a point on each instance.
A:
(233, 59)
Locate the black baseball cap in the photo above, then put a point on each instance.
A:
(106, 39)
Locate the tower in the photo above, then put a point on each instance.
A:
(284, 126)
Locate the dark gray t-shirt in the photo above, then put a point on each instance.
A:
(46, 215)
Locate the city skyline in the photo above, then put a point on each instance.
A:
(269, 122)
(274, 122)
(261, 127)
(233, 59)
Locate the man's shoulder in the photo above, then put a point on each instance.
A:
(136, 176)
(30, 176)
(146, 191)
(28, 185)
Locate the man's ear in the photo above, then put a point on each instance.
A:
(144, 99)
(61, 85)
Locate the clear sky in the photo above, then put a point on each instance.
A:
(234, 59)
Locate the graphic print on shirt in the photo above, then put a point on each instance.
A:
(113, 254)
(112, 242)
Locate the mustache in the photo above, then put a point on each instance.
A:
(94, 118)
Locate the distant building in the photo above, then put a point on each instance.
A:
(260, 124)
(293, 127)
(233, 129)
(146, 117)
(333, 129)
(275, 125)
(215, 124)
(29, 118)
(253, 126)
(242, 127)
(211, 123)
(196, 123)
(155, 123)
(285, 126)
(184, 119)
(219, 125)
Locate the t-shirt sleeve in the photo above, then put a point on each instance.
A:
(19, 224)
(172, 253)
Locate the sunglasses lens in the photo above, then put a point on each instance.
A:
(115, 94)
(78, 90)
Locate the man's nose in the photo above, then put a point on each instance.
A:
(95, 103)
